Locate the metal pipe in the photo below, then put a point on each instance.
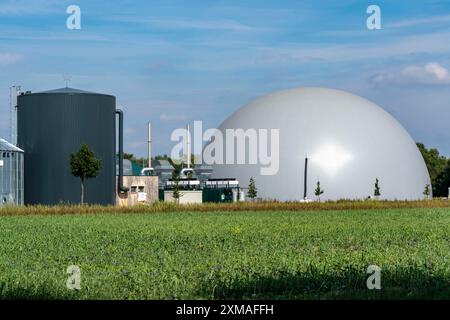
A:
(188, 149)
(120, 187)
(149, 144)
(305, 179)
(13, 92)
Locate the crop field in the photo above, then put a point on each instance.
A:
(283, 254)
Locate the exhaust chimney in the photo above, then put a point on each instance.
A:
(121, 188)
(188, 149)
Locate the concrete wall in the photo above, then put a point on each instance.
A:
(186, 196)
(137, 184)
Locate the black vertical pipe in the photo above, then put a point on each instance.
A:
(120, 185)
(305, 178)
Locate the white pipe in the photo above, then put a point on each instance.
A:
(188, 149)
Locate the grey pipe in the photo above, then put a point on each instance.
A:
(120, 186)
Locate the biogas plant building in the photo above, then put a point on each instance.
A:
(348, 141)
(341, 140)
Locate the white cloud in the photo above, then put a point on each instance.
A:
(432, 43)
(420, 21)
(7, 59)
(437, 71)
(202, 25)
(28, 7)
(184, 23)
(260, 55)
(170, 117)
(430, 73)
(138, 144)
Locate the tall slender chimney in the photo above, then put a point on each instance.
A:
(188, 149)
(149, 144)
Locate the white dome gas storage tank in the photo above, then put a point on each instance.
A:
(349, 142)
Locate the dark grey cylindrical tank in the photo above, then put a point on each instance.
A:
(53, 124)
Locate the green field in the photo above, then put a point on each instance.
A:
(249, 255)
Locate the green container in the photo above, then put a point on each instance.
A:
(217, 195)
(161, 194)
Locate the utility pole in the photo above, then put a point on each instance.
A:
(149, 144)
(305, 178)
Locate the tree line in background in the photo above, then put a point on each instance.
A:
(439, 169)
(177, 165)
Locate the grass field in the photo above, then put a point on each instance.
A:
(236, 254)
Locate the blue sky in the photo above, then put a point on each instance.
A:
(176, 61)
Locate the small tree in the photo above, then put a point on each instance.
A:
(376, 191)
(252, 190)
(84, 165)
(176, 190)
(318, 191)
(176, 186)
(427, 191)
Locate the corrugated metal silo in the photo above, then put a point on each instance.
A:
(11, 174)
(51, 126)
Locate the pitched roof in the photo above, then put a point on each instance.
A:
(6, 146)
(66, 90)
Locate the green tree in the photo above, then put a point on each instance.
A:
(177, 166)
(128, 156)
(141, 161)
(427, 191)
(252, 190)
(443, 182)
(376, 191)
(193, 159)
(176, 186)
(84, 165)
(176, 190)
(162, 157)
(318, 191)
(436, 165)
